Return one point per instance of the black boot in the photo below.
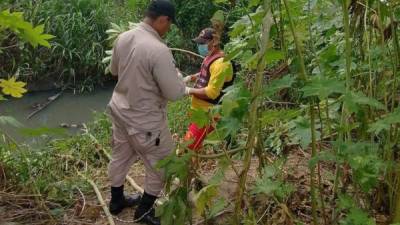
(145, 211)
(119, 201)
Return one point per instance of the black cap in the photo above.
(205, 36)
(162, 8)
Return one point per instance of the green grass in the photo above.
(178, 119)
(40, 169)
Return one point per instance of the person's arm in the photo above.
(219, 70)
(191, 78)
(166, 76)
(198, 93)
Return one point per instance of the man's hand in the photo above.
(197, 92)
(187, 79)
(191, 78)
(188, 90)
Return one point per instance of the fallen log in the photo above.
(43, 106)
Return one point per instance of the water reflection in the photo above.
(68, 109)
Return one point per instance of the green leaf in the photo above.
(364, 160)
(218, 17)
(354, 100)
(229, 125)
(310, 5)
(239, 94)
(228, 105)
(36, 37)
(199, 117)
(223, 165)
(258, 16)
(12, 87)
(270, 117)
(345, 202)
(249, 218)
(234, 54)
(386, 122)
(328, 54)
(302, 131)
(252, 61)
(323, 87)
(253, 3)
(175, 166)
(265, 186)
(235, 51)
(270, 186)
(220, 1)
(11, 121)
(279, 84)
(15, 22)
(272, 56)
(357, 217)
(166, 213)
(2, 98)
(397, 16)
(204, 198)
(235, 95)
(174, 210)
(215, 137)
(270, 171)
(180, 215)
(322, 157)
(217, 207)
(239, 27)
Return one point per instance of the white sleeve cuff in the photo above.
(188, 90)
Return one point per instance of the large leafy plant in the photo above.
(333, 77)
(14, 22)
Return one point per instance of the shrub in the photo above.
(77, 51)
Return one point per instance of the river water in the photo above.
(68, 109)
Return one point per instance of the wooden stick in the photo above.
(214, 156)
(101, 200)
(84, 201)
(215, 216)
(186, 51)
(134, 184)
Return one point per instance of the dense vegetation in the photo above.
(74, 59)
(314, 116)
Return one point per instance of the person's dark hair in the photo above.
(152, 15)
(159, 8)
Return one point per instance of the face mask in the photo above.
(203, 49)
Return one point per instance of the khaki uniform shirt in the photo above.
(147, 79)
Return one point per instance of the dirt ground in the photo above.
(86, 210)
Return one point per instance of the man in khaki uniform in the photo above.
(147, 80)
